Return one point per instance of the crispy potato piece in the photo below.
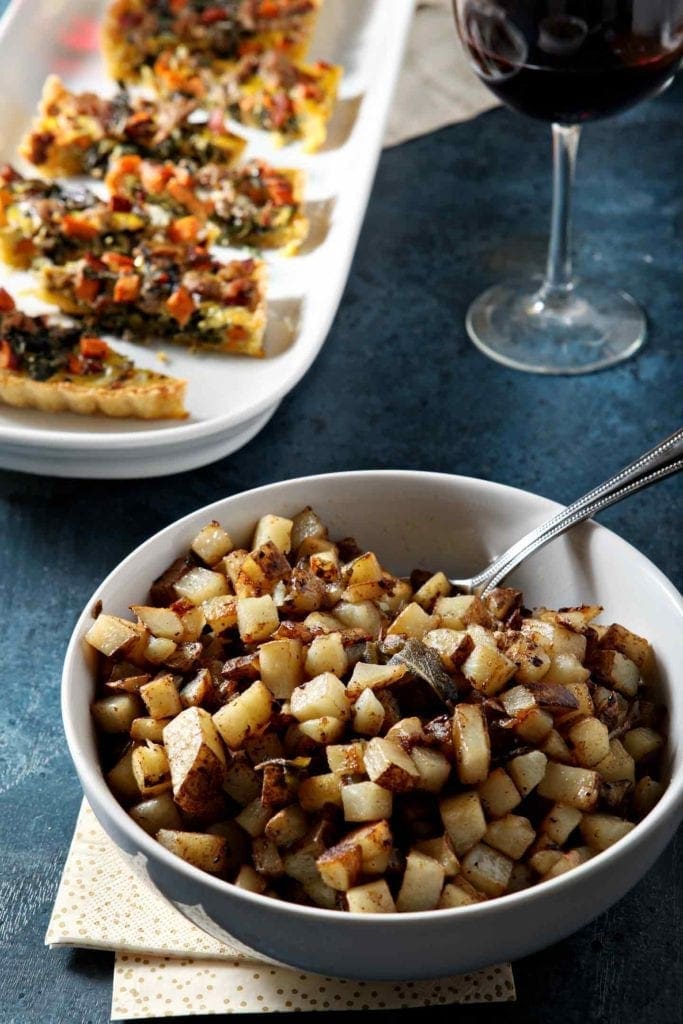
(371, 898)
(366, 801)
(111, 635)
(244, 716)
(197, 761)
(527, 770)
(387, 764)
(464, 821)
(151, 769)
(512, 835)
(602, 830)
(488, 870)
(341, 865)
(200, 585)
(116, 713)
(368, 714)
(321, 696)
(498, 793)
(471, 743)
(157, 812)
(207, 852)
(578, 787)
(212, 543)
(161, 697)
(282, 666)
(318, 790)
(422, 883)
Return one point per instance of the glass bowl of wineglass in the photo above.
(566, 62)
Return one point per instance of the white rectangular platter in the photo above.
(230, 398)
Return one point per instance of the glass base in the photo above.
(579, 331)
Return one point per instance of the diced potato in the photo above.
(544, 860)
(460, 611)
(220, 613)
(111, 635)
(276, 529)
(453, 646)
(532, 660)
(155, 813)
(257, 618)
(363, 615)
(488, 669)
(560, 822)
(464, 821)
(371, 898)
(266, 857)
(535, 726)
(161, 697)
(287, 825)
(325, 695)
(261, 571)
(340, 866)
(433, 767)
(436, 586)
(373, 677)
(207, 852)
(254, 817)
(512, 835)
(161, 622)
(242, 783)
(642, 742)
(198, 690)
(318, 790)
(193, 622)
(518, 700)
(527, 770)
(521, 878)
(646, 794)
(618, 765)
(231, 564)
(387, 764)
(622, 674)
(325, 564)
(199, 585)
(579, 617)
(487, 870)
(197, 761)
(632, 646)
(368, 714)
(346, 758)
(326, 654)
(555, 748)
(375, 842)
(566, 670)
(148, 729)
(116, 713)
(590, 740)
(151, 769)
(602, 830)
(578, 787)
(456, 896)
(471, 743)
(244, 716)
(566, 862)
(212, 543)
(324, 621)
(442, 851)
(364, 569)
(323, 730)
(159, 648)
(498, 794)
(585, 707)
(250, 880)
(366, 801)
(121, 779)
(124, 682)
(407, 732)
(422, 883)
(413, 621)
(282, 666)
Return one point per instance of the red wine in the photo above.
(570, 61)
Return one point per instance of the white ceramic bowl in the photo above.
(412, 520)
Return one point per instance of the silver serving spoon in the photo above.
(662, 460)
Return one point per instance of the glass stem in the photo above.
(558, 281)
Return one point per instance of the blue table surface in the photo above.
(397, 385)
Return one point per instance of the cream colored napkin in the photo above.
(437, 85)
(166, 967)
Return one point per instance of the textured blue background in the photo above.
(397, 385)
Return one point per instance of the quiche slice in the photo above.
(268, 90)
(135, 32)
(252, 204)
(180, 293)
(57, 368)
(78, 133)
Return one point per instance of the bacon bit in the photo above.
(127, 288)
(180, 305)
(86, 288)
(94, 348)
(120, 204)
(8, 360)
(185, 229)
(77, 227)
(155, 176)
(117, 261)
(237, 293)
(7, 303)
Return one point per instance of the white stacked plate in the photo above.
(230, 398)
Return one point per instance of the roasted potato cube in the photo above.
(422, 883)
(325, 695)
(532, 660)
(471, 743)
(155, 813)
(618, 765)
(555, 748)
(250, 880)
(318, 790)
(368, 714)
(433, 767)
(442, 851)
(618, 671)
(244, 716)
(560, 822)
(161, 622)
(111, 635)
(487, 870)
(366, 801)
(527, 770)
(287, 825)
(453, 646)
(456, 896)
(151, 769)
(375, 842)
(464, 821)
(323, 730)
(413, 621)
(257, 618)
(590, 741)
(254, 817)
(161, 697)
(148, 729)
(632, 646)
(121, 779)
(220, 613)
(566, 670)
(116, 713)
(340, 866)
(241, 783)
(158, 649)
(200, 585)
(276, 530)
(512, 835)
(197, 761)
(266, 857)
(642, 742)
(388, 765)
(646, 794)
(373, 677)
(199, 690)
(498, 793)
(261, 571)
(602, 830)
(578, 787)
(462, 610)
(371, 898)
(282, 666)
(326, 654)
(436, 586)
(306, 524)
(363, 615)
(207, 852)
(534, 726)
(346, 758)
(211, 543)
(488, 669)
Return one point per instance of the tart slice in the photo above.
(78, 133)
(252, 204)
(136, 31)
(262, 90)
(57, 368)
(176, 292)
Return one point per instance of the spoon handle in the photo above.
(662, 460)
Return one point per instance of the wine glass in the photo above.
(566, 62)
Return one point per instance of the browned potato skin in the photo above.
(249, 765)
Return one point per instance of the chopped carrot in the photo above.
(77, 227)
(86, 288)
(94, 348)
(185, 229)
(117, 261)
(127, 288)
(268, 9)
(8, 360)
(6, 302)
(180, 305)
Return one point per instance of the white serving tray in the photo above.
(229, 398)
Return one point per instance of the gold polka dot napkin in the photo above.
(167, 967)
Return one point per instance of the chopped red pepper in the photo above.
(94, 348)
